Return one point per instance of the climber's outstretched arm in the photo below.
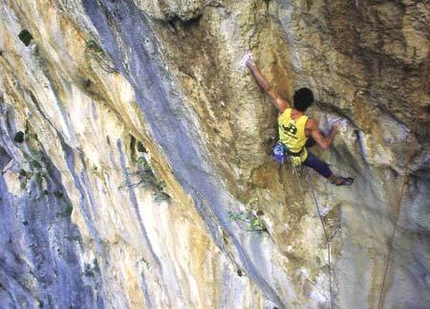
(280, 103)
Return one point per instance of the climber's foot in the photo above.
(343, 181)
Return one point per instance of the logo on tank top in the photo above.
(291, 130)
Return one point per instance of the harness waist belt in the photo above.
(294, 154)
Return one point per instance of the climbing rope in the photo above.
(408, 160)
(405, 181)
(297, 171)
(327, 240)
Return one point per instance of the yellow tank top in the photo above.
(292, 134)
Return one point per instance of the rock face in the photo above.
(134, 149)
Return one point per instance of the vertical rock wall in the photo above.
(142, 176)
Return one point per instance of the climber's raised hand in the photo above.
(250, 62)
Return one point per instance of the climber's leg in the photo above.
(324, 170)
(318, 165)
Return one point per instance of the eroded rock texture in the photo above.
(134, 149)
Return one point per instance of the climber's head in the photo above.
(302, 99)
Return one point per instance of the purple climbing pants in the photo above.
(316, 164)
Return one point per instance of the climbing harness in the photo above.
(281, 154)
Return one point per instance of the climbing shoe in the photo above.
(344, 181)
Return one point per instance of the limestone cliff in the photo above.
(135, 167)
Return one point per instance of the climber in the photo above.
(297, 131)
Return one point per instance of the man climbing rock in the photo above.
(297, 131)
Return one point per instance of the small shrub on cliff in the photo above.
(146, 178)
(23, 177)
(253, 221)
(22, 172)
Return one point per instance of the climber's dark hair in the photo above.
(302, 99)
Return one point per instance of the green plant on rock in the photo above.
(39, 176)
(22, 172)
(253, 220)
(24, 177)
(258, 224)
(36, 164)
(147, 179)
(161, 184)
